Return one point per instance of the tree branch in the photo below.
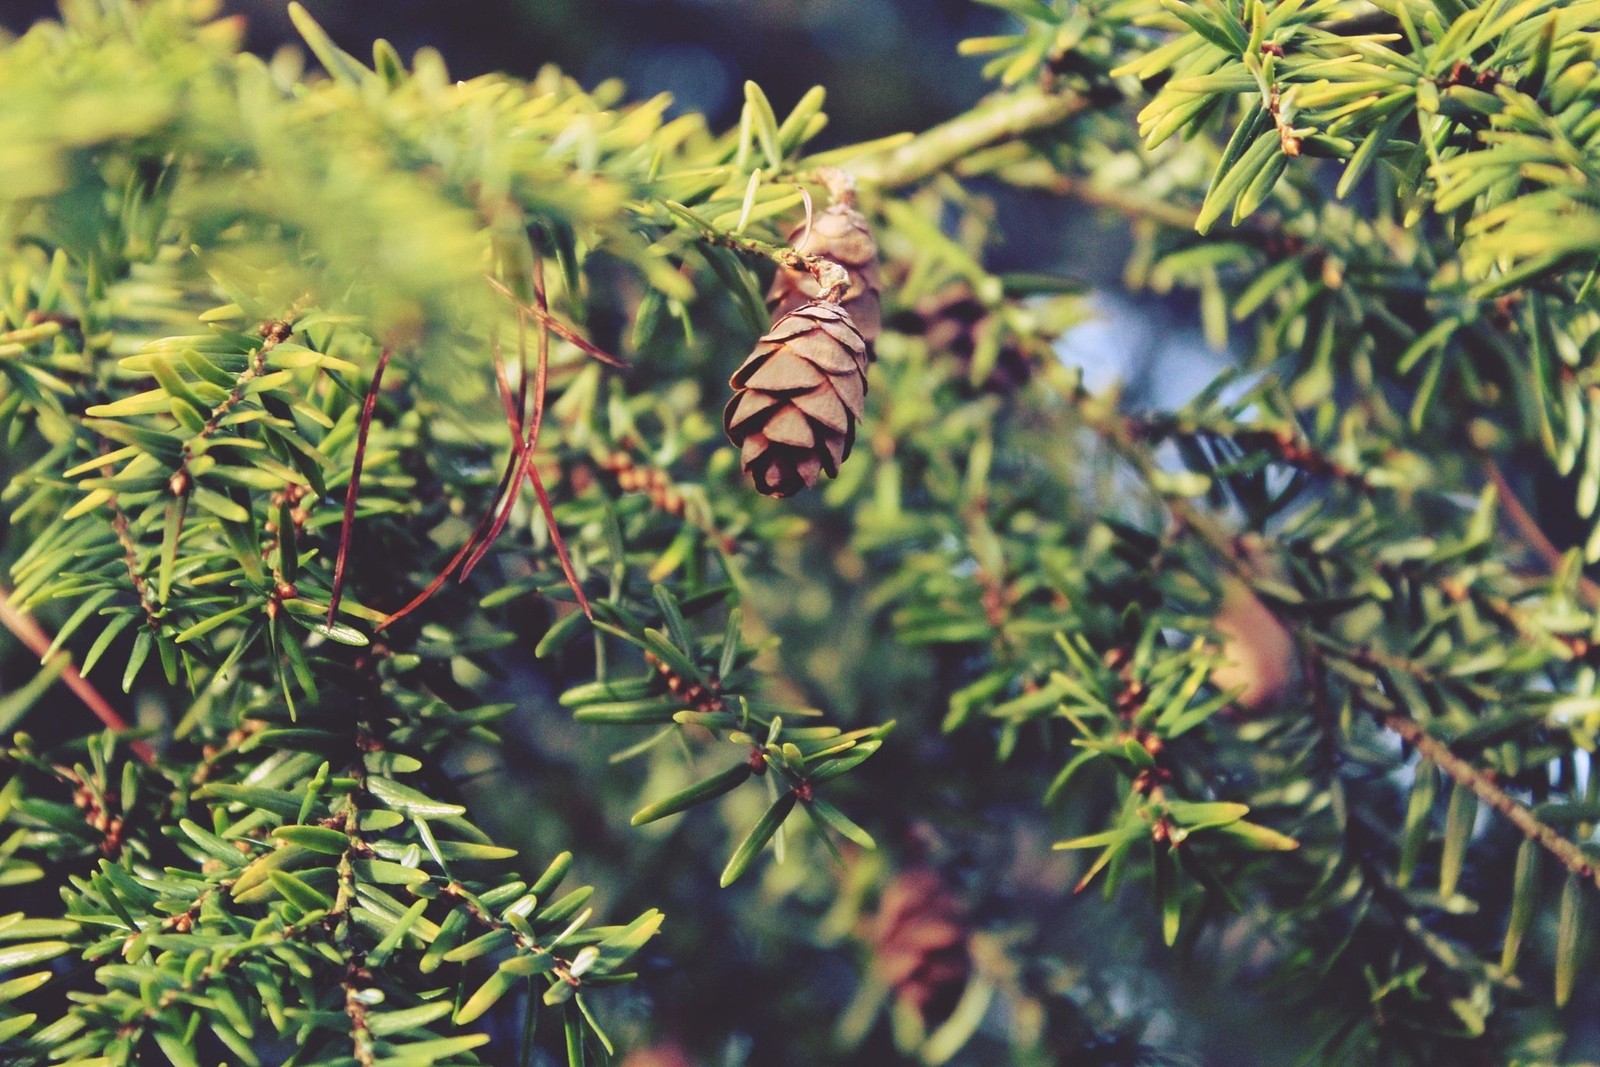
(29, 632)
(1528, 527)
(1003, 118)
(353, 490)
(1570, 855)
(1123, 436)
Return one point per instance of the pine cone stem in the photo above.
(784, 256)
(843, 239)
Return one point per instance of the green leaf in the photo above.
(1418, 821)
(552, 875)
(604, 692)
(617, 948)
(14, 956)
(335, 60)
(1569, 938)
(178, 1049)
(1098, 840)
(387, 872)
(1460, 817)
(397, 934)
(846, 762)
(16, 928)
(1199, 816)
(1260, 837)
(408, 801)
(1371, 149)
(650, 711)
(299, 892)
(560, 634)
(1524, 903)
(794, 129)
(212, 622)
(565, 908)
(176, 509)
(257, 875)
(219, 505)
(831, 817)
(448, 938)
(286, 805)
(487, 995)
(757, 838)
(480, 946)
(16, 704)
(698, 793)
(13, 988)
(386, 1023)
(316, 838)
(213, 845)
(765, 124)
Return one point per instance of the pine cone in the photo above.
(663, 1055)
(797, 398)
(839, 233)
(1259, 655)
(920, 938)
(949, 321)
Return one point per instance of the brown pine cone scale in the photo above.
(839, 233)
(797, 399)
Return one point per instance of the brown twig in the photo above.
(557, 542)
(521, 458)
(1570, 855)
(355, 1008)
(122, 529)
(830, 276)
(1115, 430)
(562, 968)
(462, 553)
(545, 318)
(540, 389)
(449, 568)
(519, 464)
(353, 490)
(31, 634)
(522, 444)
(1529, 528)
(1288, 139)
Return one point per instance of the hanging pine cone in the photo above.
(839, 233)
(921, 942)
(797, 398)
(949, 321)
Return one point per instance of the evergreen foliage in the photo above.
(332, 399)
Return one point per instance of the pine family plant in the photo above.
(345, 409)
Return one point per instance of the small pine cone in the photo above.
(797, 399)
(1259, 657)
(949, 321)
(663, 1055)
(839, 233)
(920, 939)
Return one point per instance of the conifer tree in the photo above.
(350, 409)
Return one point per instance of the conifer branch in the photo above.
(1481, 782)
(353, 490)
(1125, 435)
(1005, 117)
(1533, 535)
